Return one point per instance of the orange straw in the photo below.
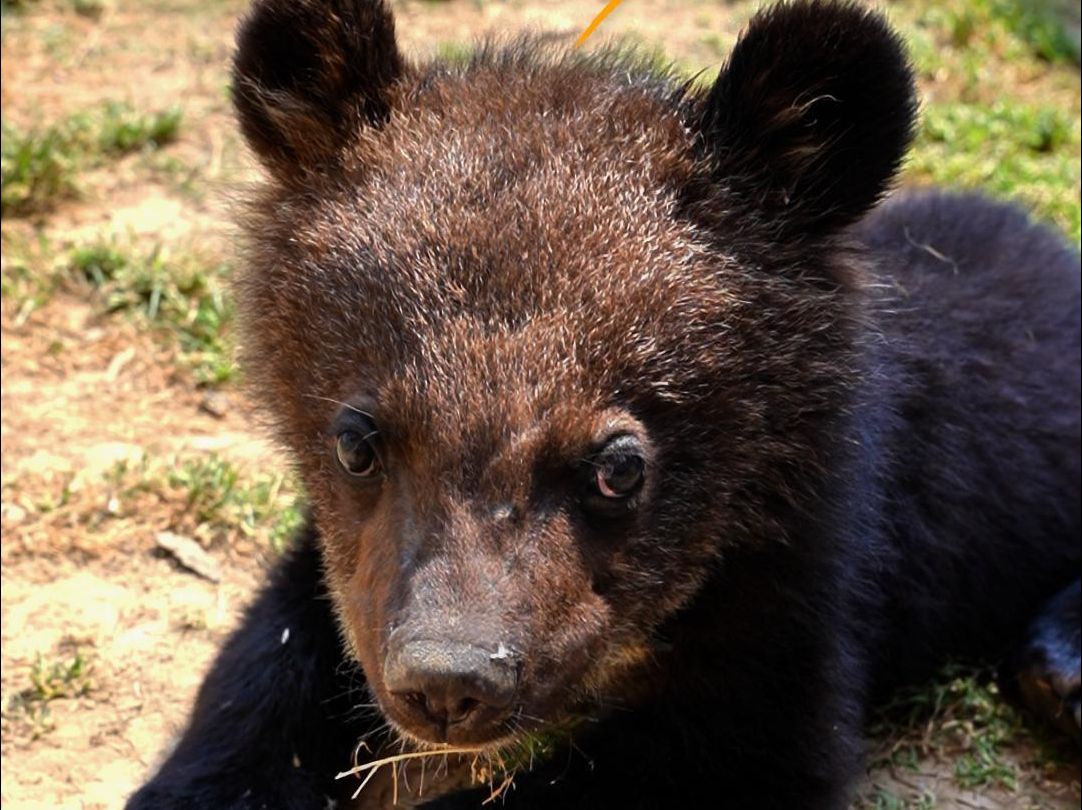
(601, 15)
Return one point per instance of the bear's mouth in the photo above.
(517, 745)
(449, 767)
(486, 744)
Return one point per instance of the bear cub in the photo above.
(647, 442)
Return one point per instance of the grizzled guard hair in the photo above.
(630, 412)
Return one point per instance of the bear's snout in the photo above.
(451, 691)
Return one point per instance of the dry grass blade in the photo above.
(478, 774)
(499, 790)
(370, 768)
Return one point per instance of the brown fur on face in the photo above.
(520, 260)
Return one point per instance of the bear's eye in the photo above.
(619, 468)
(357, 455)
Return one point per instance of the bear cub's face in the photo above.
(549, 334)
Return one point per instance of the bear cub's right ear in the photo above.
(307, 74)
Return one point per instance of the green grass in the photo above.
(1014, 150)
(650, 53)
(39, 167)
(183, 295)
(208, 497)
(28, 272)
(1000, 95)
(1001, 103)
(118, 129)
(960, 717)
(883, 799)
(180, 176)
(1010, 32)
(179, 293)
(221, 498)
(1038, 24)
(63, 678)
(50, 679)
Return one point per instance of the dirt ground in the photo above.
(104, 635)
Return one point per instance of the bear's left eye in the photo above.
(618, 469)
(356, 454)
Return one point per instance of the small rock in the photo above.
(215, 403)
(14, 513)
(116, 365)
(190, 555)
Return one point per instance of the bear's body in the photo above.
(618, 410)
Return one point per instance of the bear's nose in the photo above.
(451, 683)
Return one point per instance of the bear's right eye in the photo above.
(357, 455)
(615, 475)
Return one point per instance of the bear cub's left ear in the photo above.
(308, 74)
(810, 118)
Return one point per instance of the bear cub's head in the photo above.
(552, 336)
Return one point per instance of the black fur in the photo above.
(811, 116)
(1046, 672)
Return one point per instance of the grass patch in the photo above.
(1041, 25)
(206, 497)
(976, 39)
(39, 167)
(1001, 102)
(960, 717)
(720, 45)
(62, 678)
(29, 274)
(118, 129)
(84, 8)
(220, 499)
(180, 176)
(182, 294)
(651, 54)
(50, 679)
(883, 799)
(1013, 150)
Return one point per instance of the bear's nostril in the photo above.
(462, 710)
(450, 683)
(449, 710)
